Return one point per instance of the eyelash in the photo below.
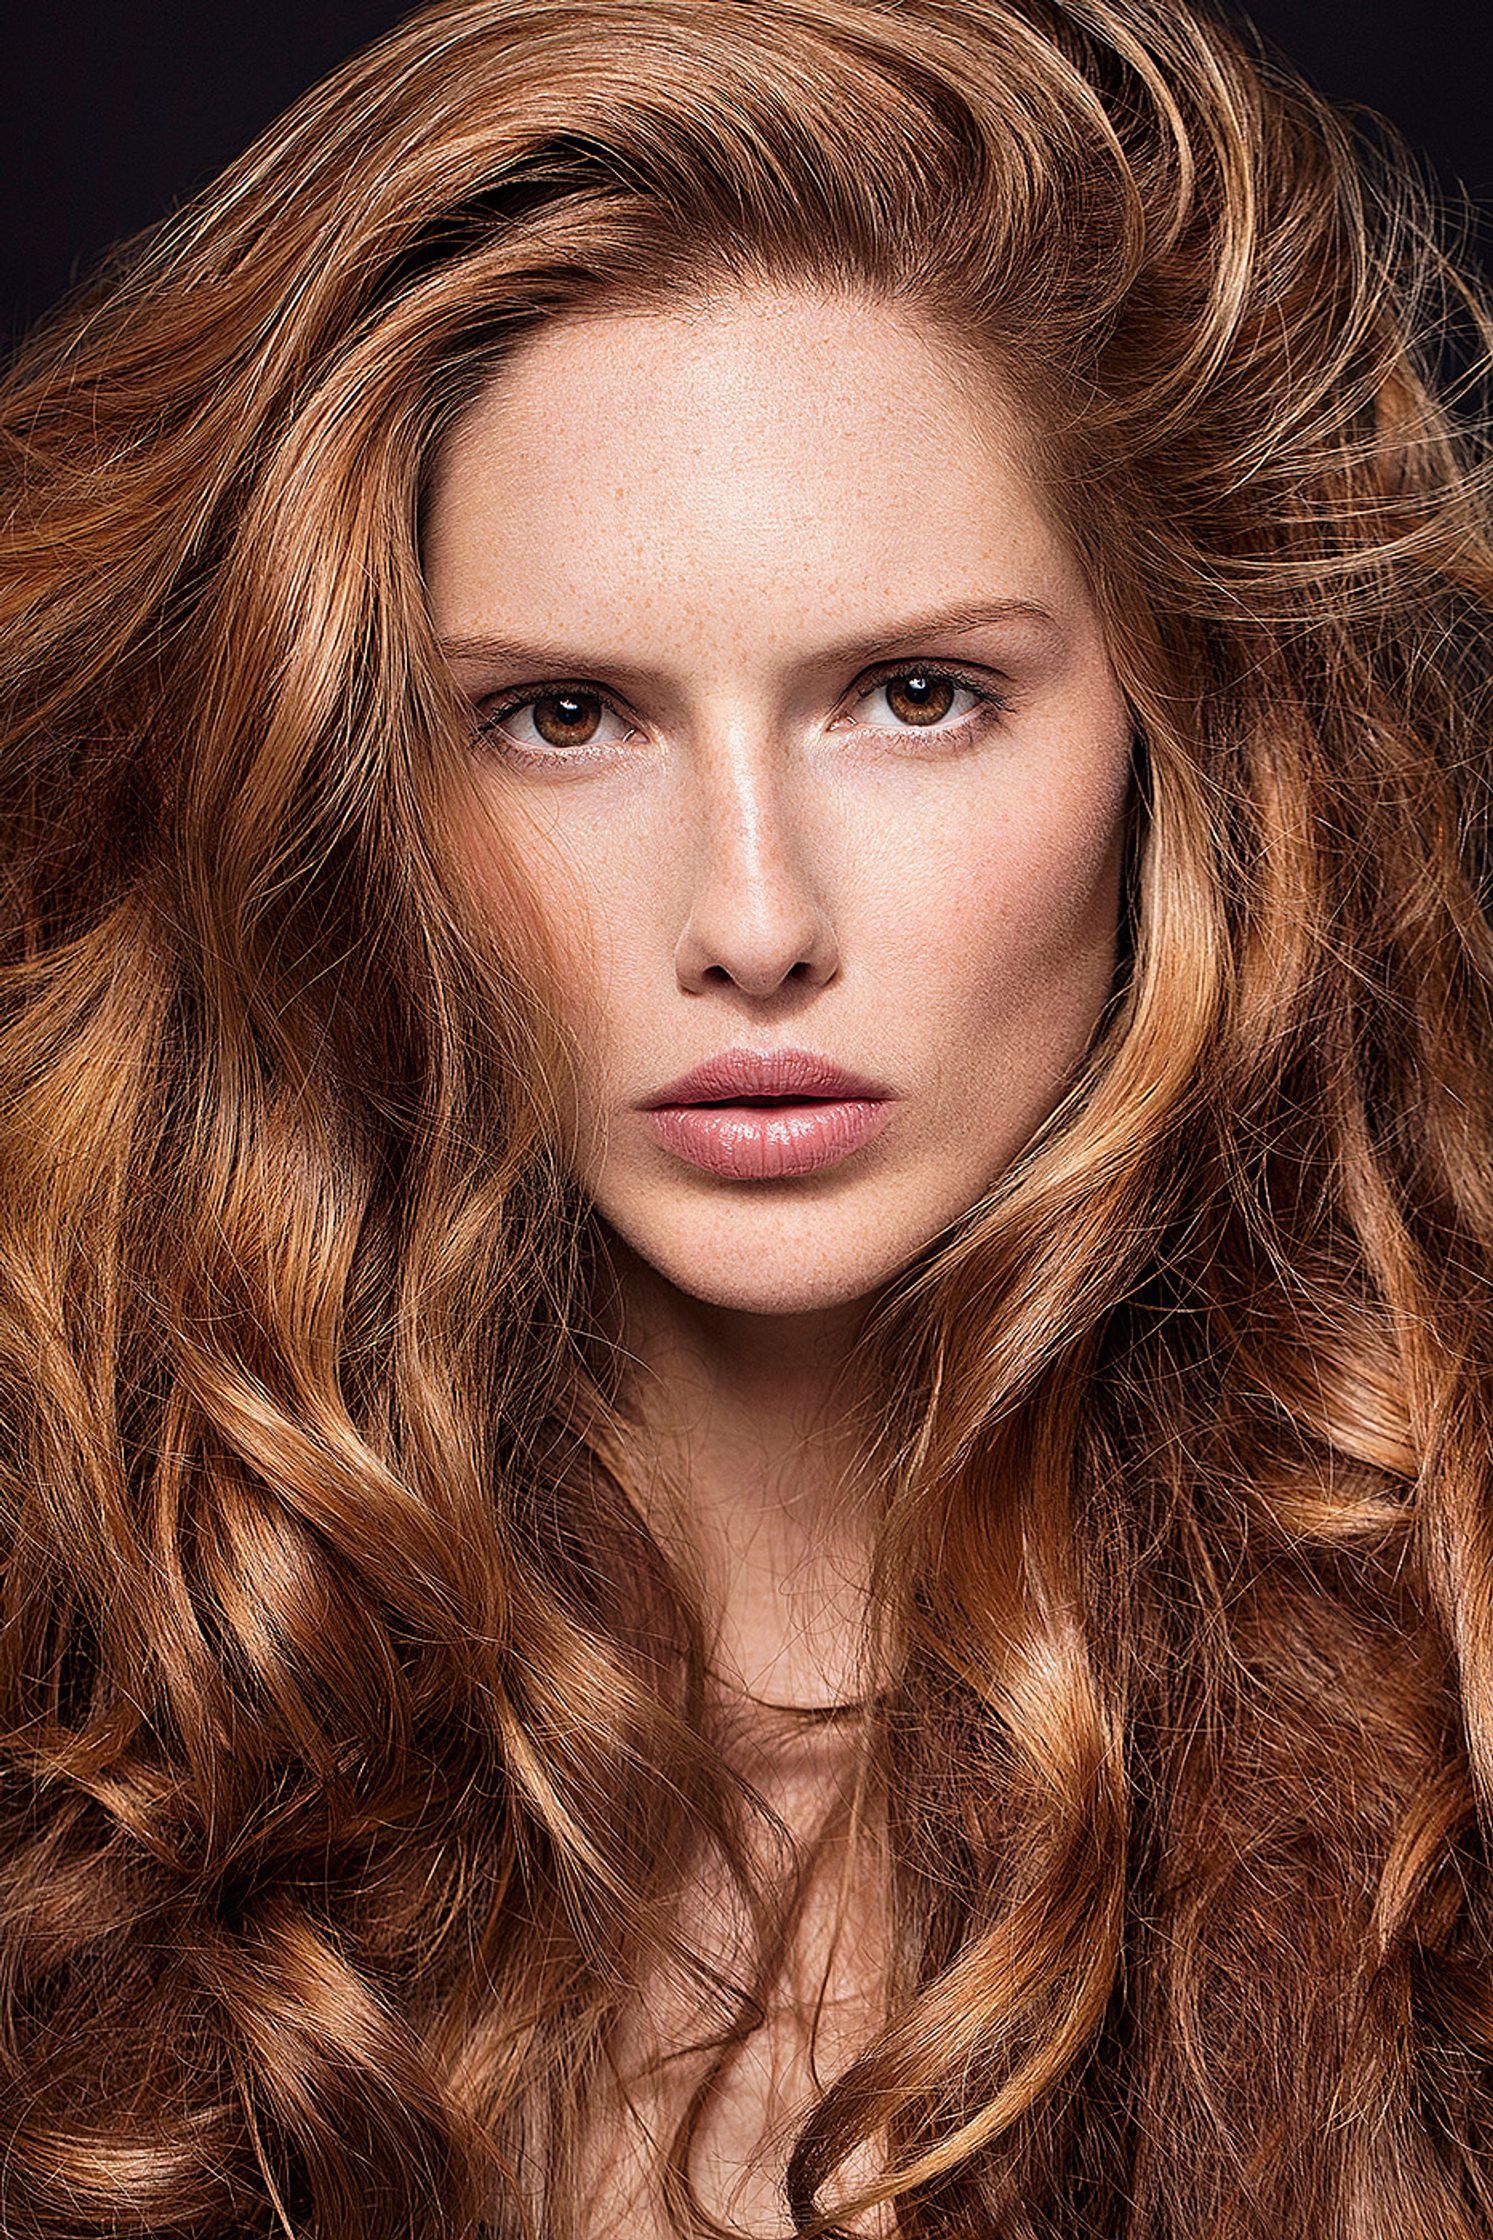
(990, 705)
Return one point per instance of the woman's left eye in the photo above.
(921, 697)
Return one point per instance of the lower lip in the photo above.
(761, 1143)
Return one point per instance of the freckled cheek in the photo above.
(584, 905)
(1014, 955)
(606, 919)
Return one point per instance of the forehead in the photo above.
(756, 450)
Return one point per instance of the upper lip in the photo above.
(765, 1073)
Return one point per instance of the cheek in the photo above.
(1015, 943)
(513, 862)
(1038, 915)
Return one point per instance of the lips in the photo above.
(734, 1074)
(764, 1115)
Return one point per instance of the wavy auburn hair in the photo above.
(350, 1716)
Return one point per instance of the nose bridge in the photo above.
(757, 911)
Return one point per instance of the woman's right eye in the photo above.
(565, 718)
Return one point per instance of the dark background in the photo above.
(112, 111)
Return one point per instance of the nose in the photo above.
(757, 918)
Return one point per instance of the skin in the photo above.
(722, 518)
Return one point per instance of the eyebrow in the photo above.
(970, 614)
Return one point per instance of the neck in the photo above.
(760, 1495)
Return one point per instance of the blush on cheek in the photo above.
(1047, 952)
(1023, 919)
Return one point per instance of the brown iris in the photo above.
(570, 726)
(926, 693)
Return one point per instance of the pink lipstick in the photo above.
(759, 1115)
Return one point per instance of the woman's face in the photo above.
(774, 782)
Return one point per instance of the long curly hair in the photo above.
(351, 1748)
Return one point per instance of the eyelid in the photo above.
(493, 707)
(981, 681)
(996, 697)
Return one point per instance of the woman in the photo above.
(747, 1215)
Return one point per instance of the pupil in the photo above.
(916, 686)
(567, 720)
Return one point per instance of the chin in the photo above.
(807, 1259)
(774, 1291)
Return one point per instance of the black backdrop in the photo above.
(111, 111)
